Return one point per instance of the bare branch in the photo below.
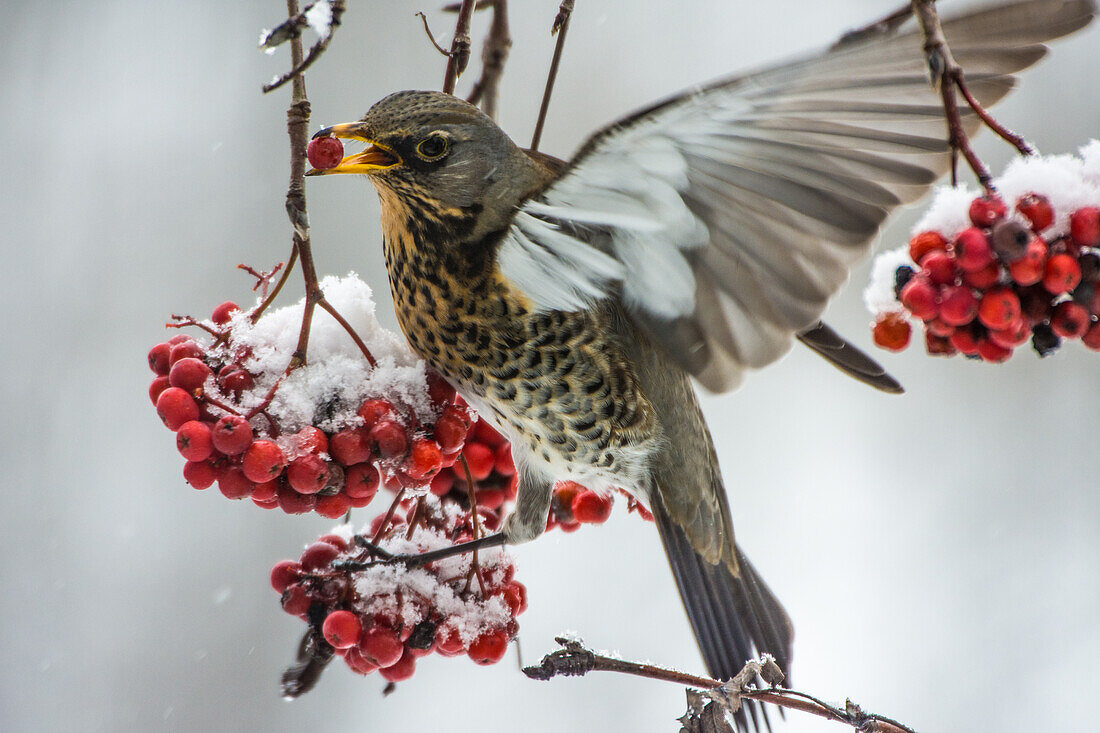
(460, 47)
(300, 65)
(431, 36)
(493, 56)
(560, 27)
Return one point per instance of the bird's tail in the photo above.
(734, 615)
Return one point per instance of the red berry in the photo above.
(480, 459)
(350, 446)
(591, 508)
(175, 407)
(489, 648)
(440, 392)
(891, 331)
(1029, 268)
(986, 210)
(381, 646)
(919, 296)
(424, 460)
(938, 327)
(1013, 336)
(449, 432)
(938, 345)
(515, 595)
(939, 266)
(342, 629)
(958, 306)
(442, 483)
(490, 498)
(335, 540)
(374, 410)
(158, 359)
(448, 643)
(361, 481)
(223, 312)
(189, 374)
(265, 493)
(984, 278)
(237, 380)
(999, 308)
(234, 484)
(925, 242)
(1084, 226)
(184, 350)
(963, 340)
(200, 474)
(485, 433)
(503, 462)
(333, 507)
(992, 352)
(972, 250)
(158, 385)
(318, 556)
(296, 601)
(390, 437)
(325, 152)
(402, 669)
(291, 502)
(1062, 274)
(232, 435)
(311, 440)
(1070, 320)
(263, 461)
(283, 574)
(1035, 304)
(1037, 210)
(308, 473)
(193, 441)
(357, 662)
(1091, 339)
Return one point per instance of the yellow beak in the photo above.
(376, 157)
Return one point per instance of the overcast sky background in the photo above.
(938, 552)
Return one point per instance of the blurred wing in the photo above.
(725, 217)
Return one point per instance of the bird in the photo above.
(575, 304)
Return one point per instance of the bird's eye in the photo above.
(432, 147)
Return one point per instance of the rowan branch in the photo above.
(494, 54)
(574, 659)
(459, 55)
(291, 30)
(560, 27)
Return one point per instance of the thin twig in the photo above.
(493, 56)
(475, 520)
(431, 36)
(560, 27)
(459, 55)
(298, 64)
(577, 660)
(267, 301)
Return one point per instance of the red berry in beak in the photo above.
(324, 153)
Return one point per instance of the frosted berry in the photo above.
(891, 331)
(591, 508)
(325, 152)
(939, 267)
(200, 474)
(175, 407)
(1061, 275)
(224, 312)
(1037, 210)
(925, 242)
(972, 250)
(449, 432)
(374, 410)
(958, 306)
(986, 210)
(342, 629)
(311, 440)
(263, 461)
(234, 484)
(308, 474)
(361, 481)
(335, 540)
(515, 595)
(189, 374)
(291, 502)
(158, 385)
(489, 648)
(350, 446)
(232, 435)
(1084, 226)
(193, 441)
(184, 350)
(318, 556)
(334, 506)
(296, 601)
(158, 359)
(284, 573)
(381, 646)
(424, 459)
(999, 308)
(237, 380)
(1070, 320)
(919, 296)
(390, 438)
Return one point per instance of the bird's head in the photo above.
(430, 151)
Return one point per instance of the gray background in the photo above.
(938, 552)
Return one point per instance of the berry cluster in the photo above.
(993, 278)
(215, 397)
(384, 616)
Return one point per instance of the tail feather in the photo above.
(735, 618)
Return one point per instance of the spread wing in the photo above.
(724, 218)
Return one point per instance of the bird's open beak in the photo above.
(376, 157)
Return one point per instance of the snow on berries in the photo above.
(316, 438)
(987, 273)
(384, 616)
